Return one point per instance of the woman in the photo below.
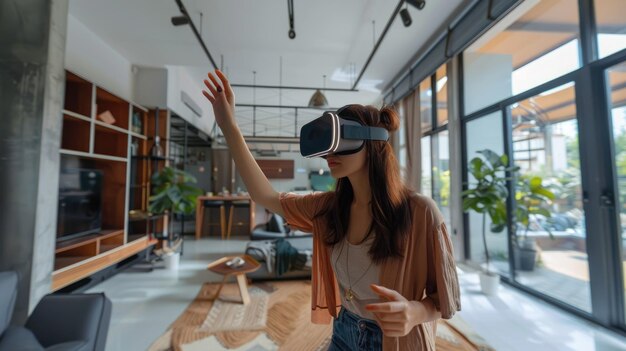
(382, 259)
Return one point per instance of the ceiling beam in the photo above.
(380, 40)
(291, 87)
(183, 10)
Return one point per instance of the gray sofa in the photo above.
(64, 322)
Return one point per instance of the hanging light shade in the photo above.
(318, 100)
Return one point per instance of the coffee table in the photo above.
(219, 266)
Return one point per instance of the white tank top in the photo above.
(353, 261)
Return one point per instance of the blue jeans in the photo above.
(351, 333)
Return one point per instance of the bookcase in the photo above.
(105, 132)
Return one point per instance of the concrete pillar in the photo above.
(32, 53)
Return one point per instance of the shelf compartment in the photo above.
(111, 242)
(118, 108)
(76, 253)
(139, 121)
(139, 177)
(78, 94)
(110, 142)
(80, 249)
(113, 193)
(75, 134)
(70, 274)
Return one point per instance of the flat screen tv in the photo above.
(80, 203)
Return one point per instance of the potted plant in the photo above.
(531, 199)
(174, 193)
(488, 197)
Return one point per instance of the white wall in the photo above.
(180, 79)
(90, 57)
(487, 79)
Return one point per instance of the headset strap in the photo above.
(364, 133)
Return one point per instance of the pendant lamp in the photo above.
(318, 99)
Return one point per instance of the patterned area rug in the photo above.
(287, 326)
(233, 316)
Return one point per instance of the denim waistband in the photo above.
(345, 313)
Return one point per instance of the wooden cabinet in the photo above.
(104, 132)
(277, 169)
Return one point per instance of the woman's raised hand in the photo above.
(222, 97)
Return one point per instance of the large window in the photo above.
(402, 147)
(435, 157)
(441, 86)
(426, 182)
(611, 25)
(616, 78)
(441, 173)
(550, 247)
(537, 42)
(426, 104)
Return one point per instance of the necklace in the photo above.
(349, 293)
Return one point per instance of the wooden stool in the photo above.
(220, 267)
(215, 204)
(234, 205)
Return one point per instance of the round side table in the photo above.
(219, 266)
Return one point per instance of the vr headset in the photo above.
(331, 134)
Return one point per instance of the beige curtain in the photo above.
(412, 128)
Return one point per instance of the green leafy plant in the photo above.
(488, 194)
(531, 198)
(174, 192)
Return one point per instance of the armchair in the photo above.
(64, 322)
(274, 228)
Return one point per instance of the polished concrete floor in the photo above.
(145, 304)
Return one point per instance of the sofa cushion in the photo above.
(70, 346)
(8, 294)
(19, 339)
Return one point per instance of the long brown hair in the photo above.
(390, 196)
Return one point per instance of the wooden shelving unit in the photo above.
(91, 140)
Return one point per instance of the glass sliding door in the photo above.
(486, 133)
(616, 79)
(550, 242)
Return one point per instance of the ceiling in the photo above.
(333, 38)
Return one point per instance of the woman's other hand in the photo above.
(222, 97)
(397, 316)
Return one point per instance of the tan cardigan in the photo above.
(426, 269)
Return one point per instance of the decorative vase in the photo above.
(172, 261)
(489, 283)
(156, 150)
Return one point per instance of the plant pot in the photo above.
(172, 261)
(525, 259)
(527, 243)
(489, 283)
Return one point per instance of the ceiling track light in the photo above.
(180, 20)
(406, 17)
(419, 4)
